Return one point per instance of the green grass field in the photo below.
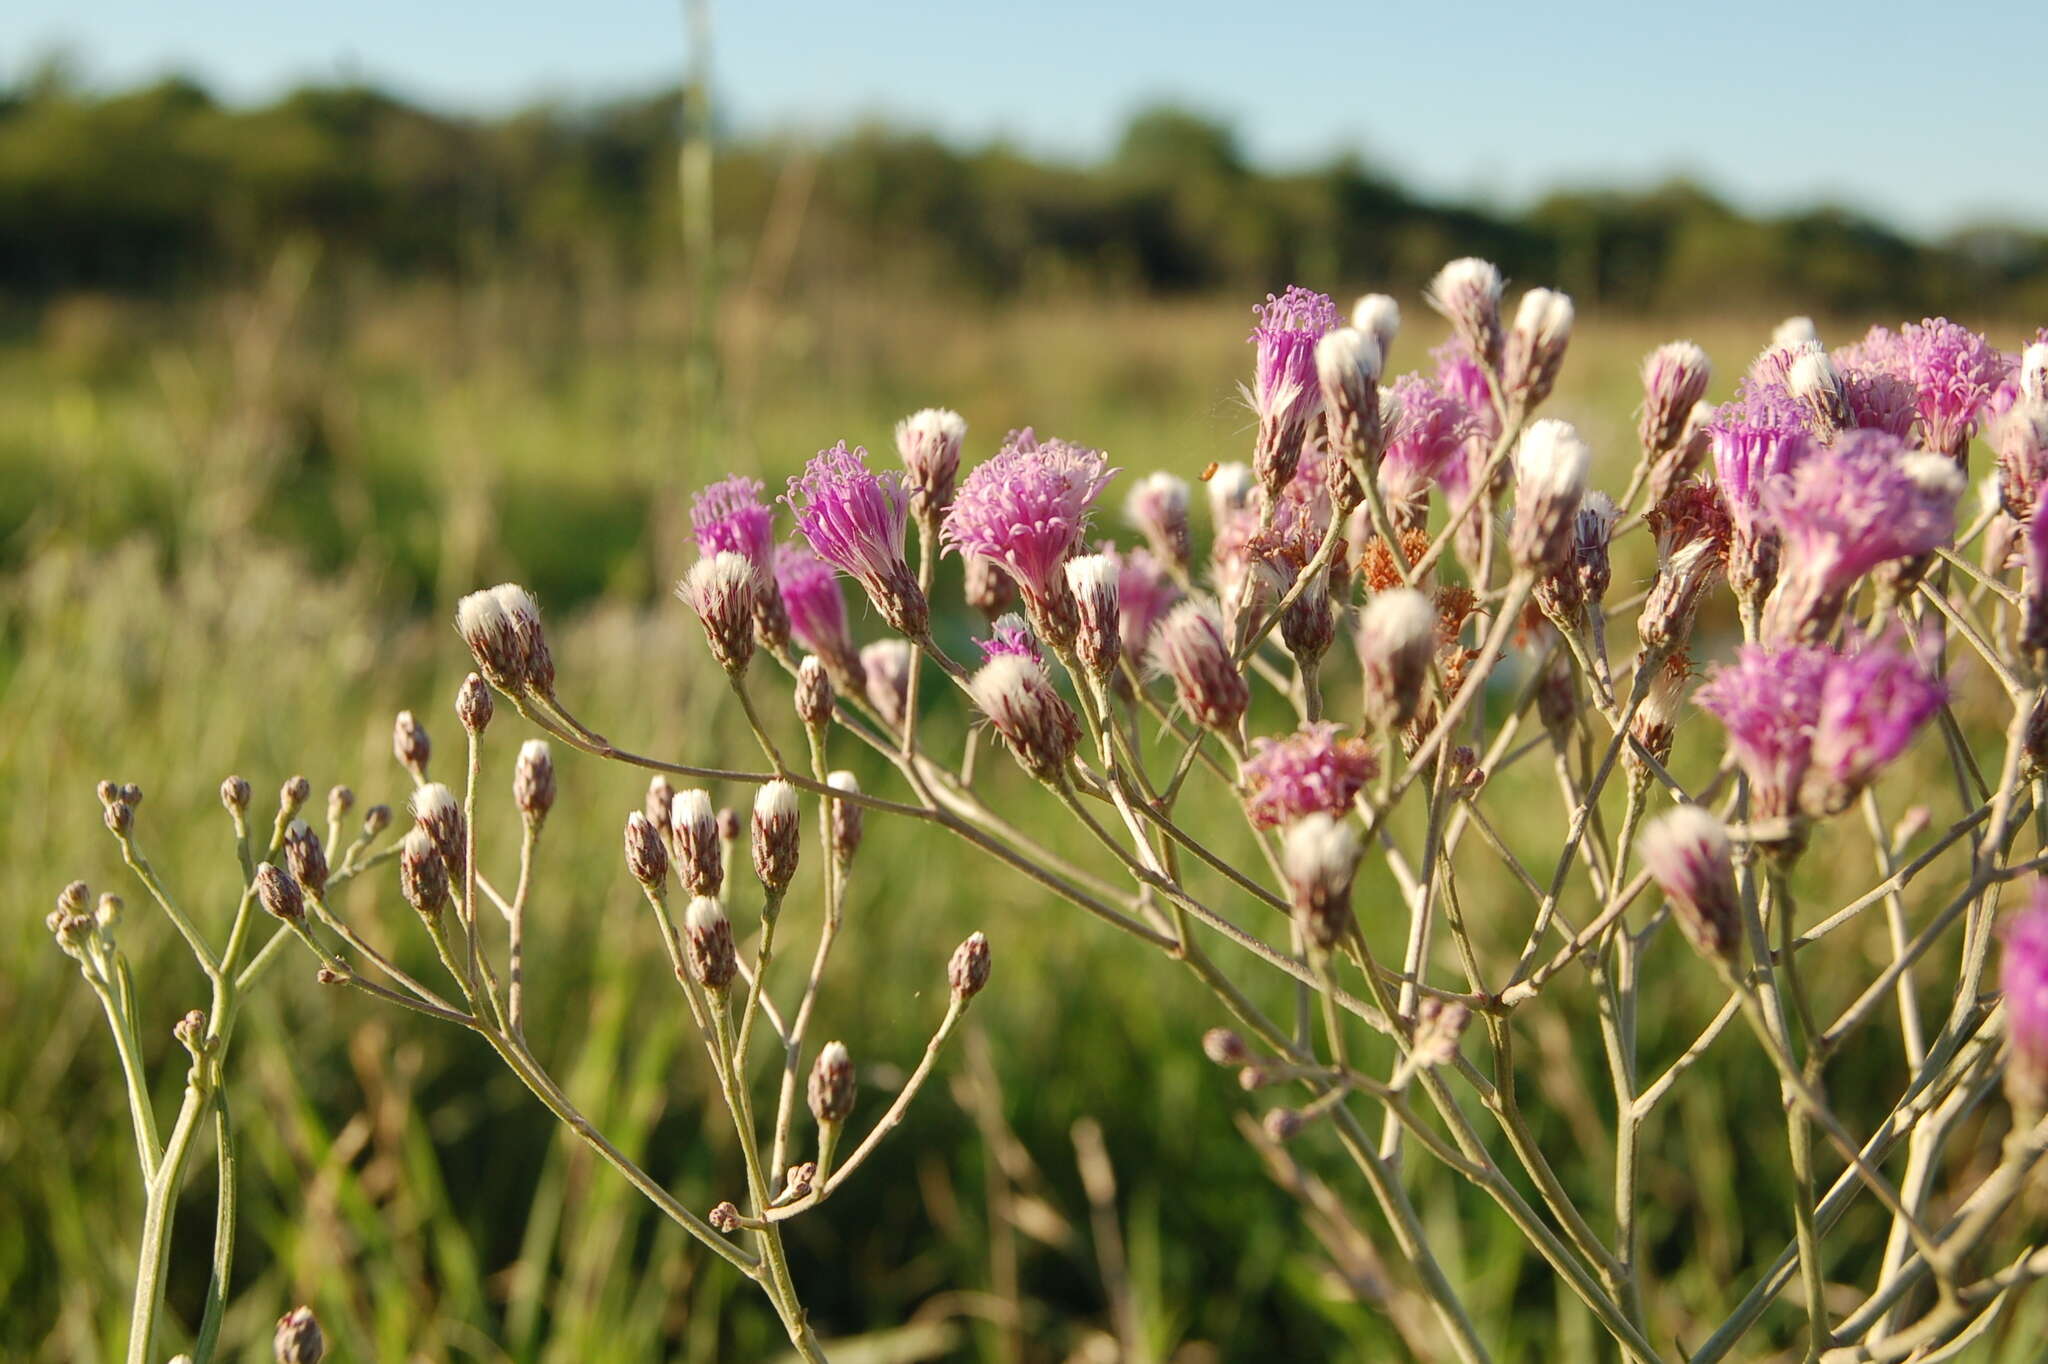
(231, 535)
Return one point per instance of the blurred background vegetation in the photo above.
(278, 383)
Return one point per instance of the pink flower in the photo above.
(1027, 508)
(1145, 592)
(1311, 769)
(855, 520)
(1429, 435)
(730, 516)
(1954, 372)
(2023, 976)
(817, 609)
(1286, 393)
(1844, 510)
(1009, 635)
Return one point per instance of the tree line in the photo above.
(165, 188)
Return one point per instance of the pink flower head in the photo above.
(1309, 770)
(1872, 702)
(1844, 510)
(1459, 373)
(1768, 700)
(1749, 455)
(1009, 634)
(855, 520)
(817, 609)
(1145, 592)
(1430, 430)
(1286, 392)
(2023, 976)
(1811, 726)
(1953, 371)
(1027, 508)
(730, 515)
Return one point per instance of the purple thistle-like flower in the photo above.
(817, 608)
(1844, 510)
(2023, 976)
(730, 516)
(1027, 509)
(855, 520)
(1010, 635)
(1429, 434)
(1767, 700)
(1310, 770)
(1954, 372)
(1811, 726)
(1872, 702)
(1286, 392)
(1459, 373)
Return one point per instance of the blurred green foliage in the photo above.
(163, 187)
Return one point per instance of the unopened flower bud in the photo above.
(1439, 1023)
(929, 444)
(1309, 624)
(1536, 345)
(74, 898)
(278, 893)
(847, 819)
(109, 792)
(831, 1090)
(693, 828)
(1230, 491)
(1349, 363)
(1093, 580)
(293, 795)
(1396, 638)
(721, 590)
(533, 781)
(120, 817)
(376, 820)
(306, 856)
(501, 626)
(1592, 533)
(1378, 316)
(646, 855)
(660, 803)
(988, 589)
(1283, 1124)
(728, 825)
(235, 795)
(473, 705)
(190, 1032)
(1224, 1047)
(725, 1218)
(1036, 723)
(776, 836)
(1814, 383)
(1686, 852)
(1675, 379)
(1551, 464)
(107, 913)
(1158, 509)
(1320, 857)
(968, 971)
(298, 1339)
(887, 664)
(1467, 293)
(1189, 647)
(422, 875)
(340, 800)
(707, 936)
(813, 694)
(438, 814)
(410, 745)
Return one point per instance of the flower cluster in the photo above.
(1026, 510)
(1812, 726)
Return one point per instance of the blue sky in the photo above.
(1925, 114)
